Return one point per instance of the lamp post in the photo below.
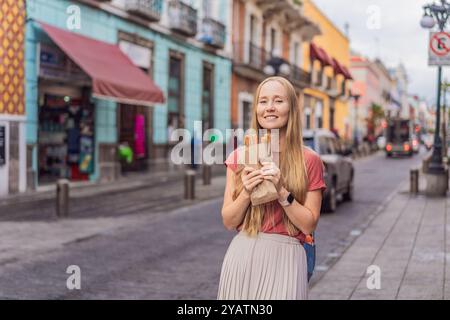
(277, 66)
(355, 127)
(445, 86)
(436, 13)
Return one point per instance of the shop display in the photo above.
(66, 139)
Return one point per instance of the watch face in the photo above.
(290, 198)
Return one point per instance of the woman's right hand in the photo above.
(251, 177)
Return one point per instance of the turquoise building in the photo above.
(73, 132)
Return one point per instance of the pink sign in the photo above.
(139, 136)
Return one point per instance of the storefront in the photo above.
(65, 118)
(77, 78)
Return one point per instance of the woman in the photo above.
(266, 259)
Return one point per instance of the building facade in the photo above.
(264, 30)
(327, 58)
(12, 98)
(180, 46)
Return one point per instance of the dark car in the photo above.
(339, 171)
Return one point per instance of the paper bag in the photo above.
(255, 154)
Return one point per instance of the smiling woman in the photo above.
(266, 259)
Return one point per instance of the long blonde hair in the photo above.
(292, 164)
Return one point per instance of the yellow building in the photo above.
(326, 102)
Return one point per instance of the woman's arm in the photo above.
(304, 217)
(233, 212)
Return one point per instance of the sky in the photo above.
(391, 31)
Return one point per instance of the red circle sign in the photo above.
(440, 43)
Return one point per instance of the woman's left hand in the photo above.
(271, 172)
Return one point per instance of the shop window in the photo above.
(208, 97)
(174, 97)
(66, 138)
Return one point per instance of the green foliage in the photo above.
(377, 111)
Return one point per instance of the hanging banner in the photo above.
(139, 136)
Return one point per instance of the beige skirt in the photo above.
(265, 267)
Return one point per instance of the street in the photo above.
(146, 253)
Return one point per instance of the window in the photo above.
(273, 34)
(323, 146)
(247, 114)
(174, 98)
(253, 30)
(318, 113)
(307, 111)
(208, 97)
(326, 146)
(309, 142)
(296, 59)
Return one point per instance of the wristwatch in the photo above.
(288, 200)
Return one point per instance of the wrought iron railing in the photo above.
(300, 75)
(213, 33)
(182, 18)
(150, 9)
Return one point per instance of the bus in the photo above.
(398, 137)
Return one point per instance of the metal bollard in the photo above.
(414, 181)
(447, 176)
(189, 184)
(206, 174)
(62, 198)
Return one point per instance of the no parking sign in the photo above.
(439, 49)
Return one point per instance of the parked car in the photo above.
(339, 170)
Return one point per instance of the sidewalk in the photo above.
(407, 240)
(126, 183)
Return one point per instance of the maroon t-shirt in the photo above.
(314, 168)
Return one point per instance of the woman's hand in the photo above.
(251, 177)
(271, 172)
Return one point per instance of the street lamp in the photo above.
(277, 65)
(436, 13)
(445, 87)
(355, 127)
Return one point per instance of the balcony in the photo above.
(148, 9)
(213, 33)
(300, 76)
(249, 60)
(182, 18)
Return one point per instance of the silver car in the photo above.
(339, 170)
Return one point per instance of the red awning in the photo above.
(347, 73)
(326, 57)
(317, 53)
(338, 68)
(113, 74)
